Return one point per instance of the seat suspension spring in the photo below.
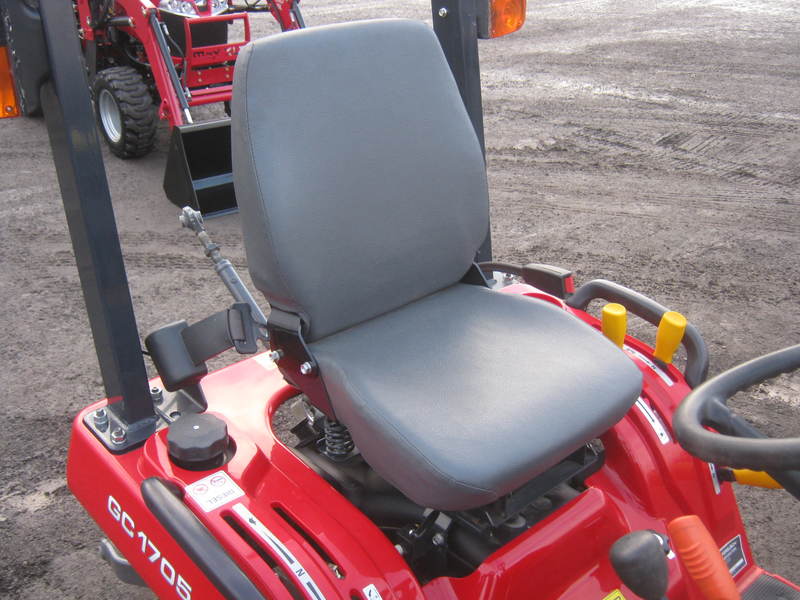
(338, 441)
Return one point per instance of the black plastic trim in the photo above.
(286, 337)
(549, 279)
(651, 311)
(198, 543)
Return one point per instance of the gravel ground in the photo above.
(655, 144)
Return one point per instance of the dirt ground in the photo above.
(652, 143)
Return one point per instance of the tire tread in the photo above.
(139, 121)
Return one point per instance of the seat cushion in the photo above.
(461, 397)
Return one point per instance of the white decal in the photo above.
(214, 491)
(714, 478)
(149, 550)
(653, 366)
(372, 593)
(281, 551)
(654, 420)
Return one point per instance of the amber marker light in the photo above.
(8, 99)
(505, 16)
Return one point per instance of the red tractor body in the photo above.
(291, 531)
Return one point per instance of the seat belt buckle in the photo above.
(242, 328)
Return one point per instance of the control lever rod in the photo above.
(192, 219)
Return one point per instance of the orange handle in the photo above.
(700, 555)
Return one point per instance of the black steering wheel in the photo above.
(736, 443)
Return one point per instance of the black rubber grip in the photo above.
(651, 311)
(198, 543)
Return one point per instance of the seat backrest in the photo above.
(359, 177)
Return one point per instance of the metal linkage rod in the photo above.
(192, 219)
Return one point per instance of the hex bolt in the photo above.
(438, 539)
(101, 419)
(157, 394)
(443, 12)
(275, 355)
(118, 435)
(306, 368)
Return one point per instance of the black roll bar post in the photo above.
(456, 25)
(92, 226)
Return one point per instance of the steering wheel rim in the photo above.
(736, 443)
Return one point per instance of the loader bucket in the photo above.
(199, 172)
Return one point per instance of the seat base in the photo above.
(463, 396)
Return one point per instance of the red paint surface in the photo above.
(643, 485)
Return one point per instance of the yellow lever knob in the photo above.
(615, 322)
(755, 478)
(669, 335)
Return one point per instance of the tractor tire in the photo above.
(125, 112)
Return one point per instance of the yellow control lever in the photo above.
(755, 478)
(669, 335)
(615, 322)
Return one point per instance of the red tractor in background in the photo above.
(148, 61)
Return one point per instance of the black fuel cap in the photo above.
(198, 442)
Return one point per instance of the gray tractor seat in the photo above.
(363, 196)
(462, 397)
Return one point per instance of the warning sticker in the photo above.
(615, 595)
(214, 491)
(733, 553)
